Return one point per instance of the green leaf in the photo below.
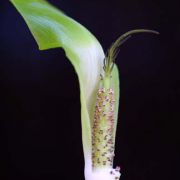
(51, 28)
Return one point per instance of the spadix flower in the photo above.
(98, 79)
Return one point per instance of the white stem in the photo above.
(102, 174)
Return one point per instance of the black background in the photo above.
(39, 94)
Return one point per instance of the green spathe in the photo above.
(51, 28)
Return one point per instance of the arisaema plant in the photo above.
(98, 79)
